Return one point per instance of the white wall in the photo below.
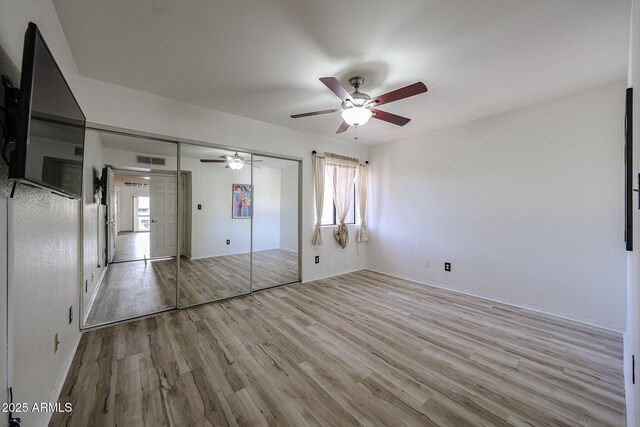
(527, 205)
(14, 19)
(118, 106)
(212, 226)
(47, 251)
(289, 209)
(47, 231)
(266, 218)
(125, 205)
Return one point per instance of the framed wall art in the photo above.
(241, 201)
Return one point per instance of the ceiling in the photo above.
(262, 59)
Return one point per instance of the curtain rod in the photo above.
(315, 152)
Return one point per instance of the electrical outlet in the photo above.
(56, 343)
(427, 263)
(70, 314)
(317, 259)
(447, 266)
(228, 242)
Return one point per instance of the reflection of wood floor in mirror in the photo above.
(132, 289)
(361, 349)
(131, 245)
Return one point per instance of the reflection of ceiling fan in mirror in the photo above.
(235, 162)
(358, 107)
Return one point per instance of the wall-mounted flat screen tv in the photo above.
(50, 129)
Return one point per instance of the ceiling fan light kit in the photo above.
(356, 116)
(235, 162)
(358, 108)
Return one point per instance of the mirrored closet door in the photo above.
(130, 227)
(275, 259)
(215, 262)
(169, 225)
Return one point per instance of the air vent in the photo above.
(135, 184)
(148, 160)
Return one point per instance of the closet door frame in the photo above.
(98, 127)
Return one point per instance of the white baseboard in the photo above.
(506, 302)
(66, 367)
(92, 299)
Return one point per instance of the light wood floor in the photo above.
(131, 246)
(133, 289)
(358, 349)
(209, 279)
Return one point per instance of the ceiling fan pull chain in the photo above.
(356, 138)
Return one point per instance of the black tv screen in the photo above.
(50, 135)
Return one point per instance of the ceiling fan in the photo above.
(358, 108)
(235, 162)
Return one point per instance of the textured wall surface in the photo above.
(46, 279)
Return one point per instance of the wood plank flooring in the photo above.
(358, 349)
(133, 289)
(132, 246)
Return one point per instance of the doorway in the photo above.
(130, 222)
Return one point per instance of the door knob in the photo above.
(154, 220)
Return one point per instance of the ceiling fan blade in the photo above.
(313, 113)
(405, 92)
(343, 127)
(252, 161)
(212, 161)
(226, 157)
(391, 118)
(334, 85)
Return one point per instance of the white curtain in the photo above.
(318, 185)
(363, 230)
(343, 175)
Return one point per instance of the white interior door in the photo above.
(164, 215)
(111, 215)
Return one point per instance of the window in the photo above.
(329, 209)
(141, 214)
